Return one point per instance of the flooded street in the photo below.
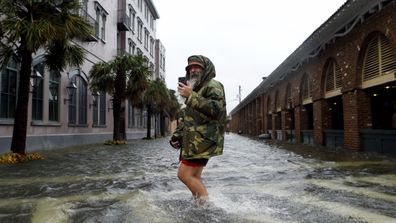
(252, 182)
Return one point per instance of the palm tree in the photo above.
(173, 106)
(28, 26)
(155, 98)
(125, 75)
(170, 109)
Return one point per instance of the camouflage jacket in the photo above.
(201, 129)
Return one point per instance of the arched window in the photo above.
(278, 106)
(306, 89)
(82, 101)
(99, 110)
(333, 77)
(53, 98)
(269, 109)
(78, 104)
(37, 95)
(379, 63)
(8, 90)
(288, 97)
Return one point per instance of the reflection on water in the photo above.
(252, 182)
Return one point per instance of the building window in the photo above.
(53, 98)
(144, 117)
(131, 115)
(140, 30)
(151, 46)
(8, 94)
(97, 24)
(278, 106)
(151, 22)
(288, 97)
(306, 88)
(99, 110)
(82, 102)
(333, 76)
(140, 5)
(100, 25)
(132, 16)
(37, 95)
(95, 114)
(146, 12)
(103, 28)
(152, 67)
(78, 104)
(146, 38)
(163, 63)
(73, 106)
(132, 47)
(379, 64)
(102, 108)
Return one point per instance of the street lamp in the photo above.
(35, 80)
(95, 96)
(53, 88)
(71, 90)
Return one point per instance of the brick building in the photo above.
(337, 89)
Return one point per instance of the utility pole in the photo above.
(239, 95)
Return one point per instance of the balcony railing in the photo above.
(93, 23)
(123, 22)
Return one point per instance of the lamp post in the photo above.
(71, 90)
(95, 96)
(35, 80)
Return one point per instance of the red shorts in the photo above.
(195, 162)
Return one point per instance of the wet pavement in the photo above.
(252, 182)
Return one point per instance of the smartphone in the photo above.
(183, 80)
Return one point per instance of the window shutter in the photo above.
(379, 59)
(306, 87)
(333, 77)
(338, 76)
(388, 59)
(330, 78)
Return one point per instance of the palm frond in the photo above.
(61, 53)
(102, 78)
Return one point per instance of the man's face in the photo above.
(195, 72)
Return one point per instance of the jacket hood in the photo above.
(208, 72)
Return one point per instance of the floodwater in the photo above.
(252, 181)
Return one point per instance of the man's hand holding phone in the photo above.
(184, 89)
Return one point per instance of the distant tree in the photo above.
(171, 110)
(124, 76)
(27, 27)
(155, 99)
(173, 107)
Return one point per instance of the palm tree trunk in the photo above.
(18, 144)
(116, 118)
(155, 126)
(117, 99)
(148, 121)
(162, 123)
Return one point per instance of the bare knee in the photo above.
(183, 176)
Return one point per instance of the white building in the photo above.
(57, 119)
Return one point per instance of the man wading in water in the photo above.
(200, 134)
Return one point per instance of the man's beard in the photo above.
(194, 79)
(192, 82)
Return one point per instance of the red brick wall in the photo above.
(348, 53)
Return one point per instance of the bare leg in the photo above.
(191, 177)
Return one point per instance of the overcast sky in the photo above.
(245, 40)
